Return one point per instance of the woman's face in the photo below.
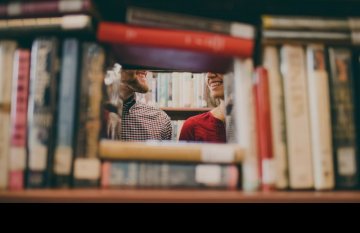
(215, 83)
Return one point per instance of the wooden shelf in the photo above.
(184, 113)
(178, 196)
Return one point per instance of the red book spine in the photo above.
(177, 39)
(263, 124)
(44, 8)
(19, 119)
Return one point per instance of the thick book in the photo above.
(342, 95)
(170, 59)
(19, 108)
(119, 33)
(41, 111)
(271, 62)
(64, 148)
(86, 165)
(298, 134)
(263, 125)
(7, 50)
(136, 174)
(320, 117)
(155, 18)
(44, 8)
(170, 151)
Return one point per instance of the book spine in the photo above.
(244, 121)
(340, 37)
(263, 124)
(41, 111)
(7, 50)
(66, 122)
(153, 18)
(44, 8)
(272, 64)
(19, 108)
(4, 149)
(319, 103)
(304, 23)
(168, 175)
(86, 168)
(48, 24)
(166, 151)
(297, 117)
(179, 39)
(164, 58)
(343, 119)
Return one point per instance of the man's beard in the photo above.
(136, 86)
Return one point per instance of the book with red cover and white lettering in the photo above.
(263, 125)
(111, 32)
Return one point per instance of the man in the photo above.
(138, 121)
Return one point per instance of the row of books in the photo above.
(50, 110)
(177, 90)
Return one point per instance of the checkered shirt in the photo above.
(144, 122)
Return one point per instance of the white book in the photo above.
(297, 117)
(175, 88)
(318, 87)
(187, 90)
(245, 131)
(272, 64)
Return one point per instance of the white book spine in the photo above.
(272, 64)
(246, 132)
(297, 117)
(175, 88)
(320, 118)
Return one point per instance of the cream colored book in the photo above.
(171, 151)
(319, 103)
(272, 64)
(298, 133)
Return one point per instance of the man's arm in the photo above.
(166, 133)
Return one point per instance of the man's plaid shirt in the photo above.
(144, 122)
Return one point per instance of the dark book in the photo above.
(168, 58)
(342, 93)
(86, 165)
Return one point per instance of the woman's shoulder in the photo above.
(198, 118)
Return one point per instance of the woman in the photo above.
(209, 126)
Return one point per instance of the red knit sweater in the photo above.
(203, 128)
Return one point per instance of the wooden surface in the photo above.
(184, 113)
(170, 196)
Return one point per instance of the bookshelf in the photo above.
(175, 196)
(245, 11)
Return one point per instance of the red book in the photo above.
(44, 8)
(177, 39)
(19, 119)
(263, 125)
